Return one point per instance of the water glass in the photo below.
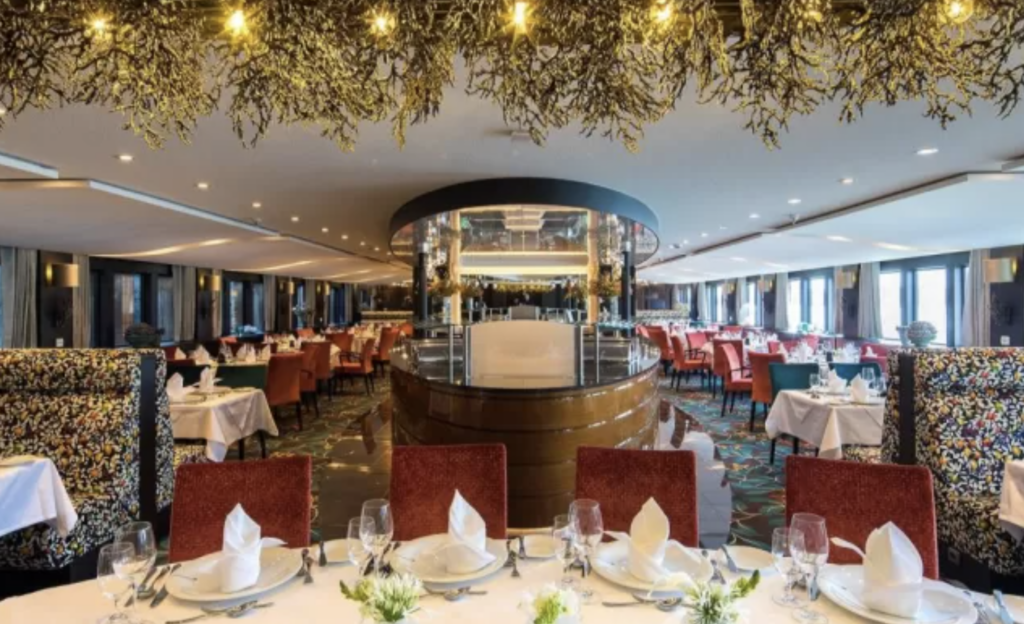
(142, 539)
(814, 381)
(588, 527)
(784, 542)
(112, 586)
(811, 554)
(563, 540)
(355, 550)
(377, 536)
(868, 375)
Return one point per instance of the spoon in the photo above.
(455, 595)
(661, 604)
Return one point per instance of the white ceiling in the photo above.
(698, 170)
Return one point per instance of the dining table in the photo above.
(827, 421)
(223, 419)
(321, 602)
(32, 492)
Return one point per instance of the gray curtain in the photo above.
(702, 302)
(837, 301)
(81, 322)
(270, 303)
(311, 301)
(19, 270)
(782, 301)
(184, 302)
(216, 305)
(977, 304)
(869, 317)
(741, 300)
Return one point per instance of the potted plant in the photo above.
(385, 600)
(143, 336)
(921, 333)
(551, 605)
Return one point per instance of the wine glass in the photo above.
(868, 375)
(811, 554)
(377, 535)
(113, 586)
(784, 541)
(563, 539)
(588, 529)
(355, 550)
(140, 536)
(814, 380)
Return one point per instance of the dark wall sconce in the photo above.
(1000, 270)
(209, 283)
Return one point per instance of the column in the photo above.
(626, 295)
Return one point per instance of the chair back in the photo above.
(366, 358)
(169, 352)
(212, 347)
(407, 329)
(243, 376)
(856, 498)
(849, 370)
(188, 370)
(307, 380)
(880, 361)
(622, 480)
(721, 366)
(790, 377)
(305, 332)
(283, 375)
(387, 340)
(275, 493)
(761, 375)
(642, 330)
(660, 339)
(323, 360)
(424, 480)
(735, 364)
(696, 340)
(678, 352)
(880, 350)
(342, 340)
(733, 329)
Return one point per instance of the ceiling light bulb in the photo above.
(376, 248)
(295, 219)
(236, 23)
(703, 234)
(202, 186)
(125, 158)
(362, 243)
(927, 151)
(344, 237)
(956, 11)
(3, 111)
(257, 205)
(520, 16)
(661, 12)
(324, 230)
(754, 215)
(838, 239)
(847, 181)
(795, 201)
(382, 23)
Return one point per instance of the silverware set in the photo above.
(513, 555)
(661, 604)
(716, 576)
(307, 564)
(162, 594)
(230, 612)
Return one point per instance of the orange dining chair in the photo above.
(733, 329)
(660, 339)
(382, 357)
(856, 498)
(284, 384)
(622, 480)
(307, 380)
(275, 493)
(324, 369)
(881, 356)
(761, 380)
(719, 365)
(737, 379)
(686, 362)
(304, 332)
(359, 365)
(342, 340)
(424, 480)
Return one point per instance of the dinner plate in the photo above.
(1014, 604)
(539, 546)
(870, 401)
(749, 559)
(416, 557)
(337, 550)
(277, 567)
(611, 565)
(940, 603)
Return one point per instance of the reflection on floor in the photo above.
(741, 495)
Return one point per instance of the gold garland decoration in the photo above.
(609, 67)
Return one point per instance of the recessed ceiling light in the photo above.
(125, 158)
(257, 205)
(754, 215)
(739, 259)
(324, 230)
(362, 243)
(703, 234)
(846, 181)
(838, 239)
(686, 242)
(202, 186)
(894, 247)
(795, 201)
(344, 237)
(376, 248)
(721, 227)
(295, 219)
(927, 151)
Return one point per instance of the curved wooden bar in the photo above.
(540, 428)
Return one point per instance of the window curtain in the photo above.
(869, 318)
(782, 301)
(977, 303)
(741, 301)
(311, 302)
(270, 303)
(837, 301)
(20, 268)
(81, 321)
(217, 305)
(702, 302)
(184, 285)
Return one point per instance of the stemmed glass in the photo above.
(868, 375)
(588, 528)
(811, 554)
(356, 551)
(563, 540)
(784, 542)
(377, 535)
(140, 536)
(814, 381)
(113, 586)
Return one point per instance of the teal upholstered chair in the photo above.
(248, 376)
(789, 377)
(189, 372)
(848, 371)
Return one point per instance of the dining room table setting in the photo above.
(575, 572)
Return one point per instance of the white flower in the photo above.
(548, 604)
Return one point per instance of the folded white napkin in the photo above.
(652, 557)
(859, 391)
(893, 573)
(466, 548)
(179, 354)
(250, 355)
(1011, 499)
(785, 354)
(239, 565)
(176, 390)
(804, 351)
(201, 355)
(267, 352)
(869, 352)
(835, 382)
(206, 380)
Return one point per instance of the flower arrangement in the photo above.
(716, 604)
(551, 605)
(523, 287)
(605, 286)
(577, 290)
(471, 290)
(921, 333)
(385, 600)
(443, 288)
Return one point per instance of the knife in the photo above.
(323, 554)
(162, 594)
(1004, 614)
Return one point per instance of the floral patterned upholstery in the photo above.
(79, 407)
(969, 405)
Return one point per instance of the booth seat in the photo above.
(102, 417)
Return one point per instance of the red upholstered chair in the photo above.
(382, 357)
(881, 355)
(686, 362)
(856, 498)
(760, 376)
(622, 480)
(424, 480)
(169, 352)
(342, 340)
(720, 367)
(284, 383)
(305, 332)
(407, 329)
(660, 339)
(811, 340)
(274, 492)
(737, 378)
(733, 329)
(643, 331)
(359, 365)
(324, 370)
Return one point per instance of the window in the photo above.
(1, 309)
(235, 308)
(300, 304)
(721, 313)
(891, 300)
(127, 305)
(819, 303)
(165, 307)
(750, 310)
(930, 299)
(794, 310)
(258, 307)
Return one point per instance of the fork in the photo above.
(514, 557)
(982, 611)
(716, 576)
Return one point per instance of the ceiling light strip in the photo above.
(28, 166)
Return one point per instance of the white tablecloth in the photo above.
(32, 493)
(322, 603)
(826, 423)
(1011, 502)
(223, 421)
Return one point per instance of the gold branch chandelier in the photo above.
(608, 67)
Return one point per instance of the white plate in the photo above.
(539, 546)
(1014, 604)
(940, 603)
(416, 557)
(611, 565)
(277, 567)
(336, 551)
(749, 559)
